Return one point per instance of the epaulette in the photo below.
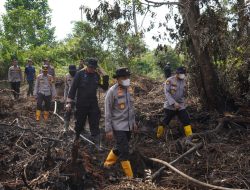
(167, 82)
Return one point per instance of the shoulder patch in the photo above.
(167, 82)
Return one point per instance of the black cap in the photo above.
(181, 70)
(72, 68)
(122, 72)
(92, 62)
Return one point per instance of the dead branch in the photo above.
(158, 172)
(217, 129)
(222, 122)
(238, 119)
(24, 177)
(40, 179)
(163, 3)
(190, 178)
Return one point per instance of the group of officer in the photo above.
(81, 92)
(44, 88)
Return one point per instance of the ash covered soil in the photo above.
(41, 156)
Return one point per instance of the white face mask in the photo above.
(182, 76)
(126, 82)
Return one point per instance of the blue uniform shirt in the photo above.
(30, 72)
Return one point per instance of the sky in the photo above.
(64, 12)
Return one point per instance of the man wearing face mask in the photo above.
(120, 120)
(68, 82)
(85, 84)
(175, 90)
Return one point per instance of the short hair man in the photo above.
(30, 73)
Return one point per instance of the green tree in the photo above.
(166, 54)
(114, 25)
(209, 33)
(27, 23)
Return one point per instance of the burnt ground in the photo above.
(40, 156)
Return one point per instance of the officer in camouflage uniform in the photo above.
(15, 77)
(68, 82)
(175, 90)
(44, 91)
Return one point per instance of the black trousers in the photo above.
(182, 115)
(16, 87)
(121, 148)
(31, 87)
(47, 102)
(92, 111)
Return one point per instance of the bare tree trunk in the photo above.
(209, 83)
(134, 17)
(242, 20)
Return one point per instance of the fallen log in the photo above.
(196, 147)
(190, 178)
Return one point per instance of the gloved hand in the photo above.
(68, 106)
(160, 131)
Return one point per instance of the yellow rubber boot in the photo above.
(188, 130)
(110, 160)
(127, 168)
(160, 131)
(38, 115)
(46, 115)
